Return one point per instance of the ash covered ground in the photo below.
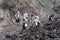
(46, 30)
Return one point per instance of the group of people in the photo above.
(25, 19)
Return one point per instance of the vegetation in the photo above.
(57, 9)
(7, 4)
(27, 1)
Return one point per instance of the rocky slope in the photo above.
(45, 32)
(42, 8)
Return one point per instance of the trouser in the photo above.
(23, 29)
(17, 20)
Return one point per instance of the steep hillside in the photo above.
(42, 8)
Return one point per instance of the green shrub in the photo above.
(27, 1)
(7, 4)
(57, 9)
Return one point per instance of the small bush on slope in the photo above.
(57, 9)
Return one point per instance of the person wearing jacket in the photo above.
(17, 17)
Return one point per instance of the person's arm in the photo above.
(15, 15)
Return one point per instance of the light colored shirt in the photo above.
(17, 15)
(36, 20)
(25, 16)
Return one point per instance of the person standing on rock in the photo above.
(50, 17)
(17, 17)
(24, 25)
(26, 16)
(36, 20)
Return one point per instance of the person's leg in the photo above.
(18, 20)
(22, 30)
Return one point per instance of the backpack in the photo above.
(26, 25)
